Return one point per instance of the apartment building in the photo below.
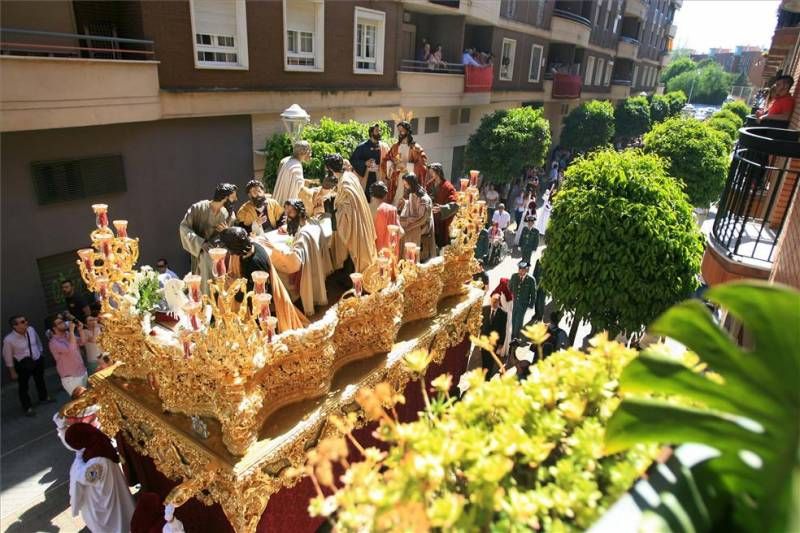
(756, 230)
(145, 105)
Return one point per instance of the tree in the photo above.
(589, 126)
(727, 114)
(738, 107)
(329, 136)
(676, 100)
(677, 66)
(622, 244)
(708, 84)
(695, 154)
(632, 117)
(726, 127)
(508, 140)
(659, 108)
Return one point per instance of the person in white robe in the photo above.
(544, 212)
(416, 217)
(97, 487)
(290, 182)
(305, 262)
(202, 223)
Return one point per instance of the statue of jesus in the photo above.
(404, 157)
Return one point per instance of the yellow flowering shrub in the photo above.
(509, 455)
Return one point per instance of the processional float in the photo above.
(196, 398)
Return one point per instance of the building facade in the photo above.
(145, 105)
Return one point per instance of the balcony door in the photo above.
(408, 39)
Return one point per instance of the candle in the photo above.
(464, 183)
(272, 325)
(122, 228)
(394, 236)
(260, 279)
(358, 283)
(261, 305)
(193, 309)
(101, 215)
(102, 286)
(411, 252)
(218, 259)
(187, 343)
(193, 283)
(87, 256)
(105, 244)
(473, 177)
(383, 262)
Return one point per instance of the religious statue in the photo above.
(445, 203)
(404, 157)
(290, 182)
(367, 158)
(305, 259)
(260, 213)
(354, 236)
(416, 217)
(253, 257)
(201, 226)
(322, 195)
(385, 215)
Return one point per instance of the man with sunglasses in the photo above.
(22, 354)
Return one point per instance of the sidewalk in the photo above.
(34, 466)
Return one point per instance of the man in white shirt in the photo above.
(501, 217)
(467, 58)
(22, 354)
(164, 272)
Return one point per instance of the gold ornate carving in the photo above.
(423, 288)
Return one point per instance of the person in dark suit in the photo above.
(494, 319)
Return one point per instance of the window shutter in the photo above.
(215, 17)
(62, 181)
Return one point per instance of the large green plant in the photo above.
(696, 155)
(748, 409)
(729, 114)
(738, 107)
(510, 455)
(589, 126)
(676, 101)
(659, 108)
(622, 244)
(329, 136)
(676, 67)
(508, 140)
(725, 126)
(632, 117)
(708, 84)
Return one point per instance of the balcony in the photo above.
(620, 89)
(566, 86)
(60, 80)
(569, 27)
(451, 85)
(665, 59)
(673, 30)
(635, 8)
(627, 48)
(752, 211)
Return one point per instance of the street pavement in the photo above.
(34, 471)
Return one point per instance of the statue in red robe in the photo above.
(445, 203)
(404, 157)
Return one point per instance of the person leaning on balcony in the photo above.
(435, 60)
(782, 104)
(467, 58)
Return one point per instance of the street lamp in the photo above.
(294, 120)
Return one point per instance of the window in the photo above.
(608, 15)
(539, 12)
(368, 41)
(431, 124)
(597, 12)
(54, 269)
(536, 63)
(587, 76)
(609, 69)
(564, 109)
(507, 59)
(220, 33)
(635, 74)
(598, 75)
(304, 40)
(415, 125)
(511, 8)
(464, 116)
(62, 181)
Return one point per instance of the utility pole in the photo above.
(691, 90)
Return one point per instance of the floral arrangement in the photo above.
(508, 455)
(145, 291)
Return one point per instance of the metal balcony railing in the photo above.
(621, 81)
(54, 44)
(762, 175)
(411, 65)
(574, 17)
(630, 40)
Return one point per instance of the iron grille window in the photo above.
(431, 124)
(464, 118)
(55, 269)
(62, 181)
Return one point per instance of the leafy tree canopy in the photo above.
(632, 117)
(696, 155)
(708, 84)
(622, 244)
(329, 136)
(677, 66)
(727, 114)
(727, 127)
(659, 108)
(676, 100)
(508, 140)
(739, 107)
(589, 126)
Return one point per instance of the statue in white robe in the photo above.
(290, 182)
